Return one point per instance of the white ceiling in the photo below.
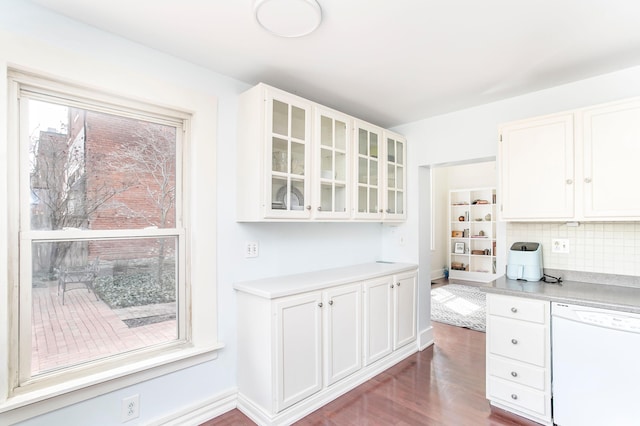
(388, 61)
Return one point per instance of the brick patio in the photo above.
(85, 329)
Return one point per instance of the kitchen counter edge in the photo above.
(603, 296)
(289, 285)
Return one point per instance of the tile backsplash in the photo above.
(602, 247)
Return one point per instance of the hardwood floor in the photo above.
(442, 385)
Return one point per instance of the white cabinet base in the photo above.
(300, 336)
(326, 395)
(521, 413)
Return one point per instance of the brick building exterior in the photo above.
(107, 172)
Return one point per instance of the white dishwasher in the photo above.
(595, 366)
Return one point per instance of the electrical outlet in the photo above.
(130, 408)
(559, 245)
(251, 249)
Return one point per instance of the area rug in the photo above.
(459, 305)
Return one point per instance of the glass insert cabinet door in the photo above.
(332, 164)
(395, 175)
(367, 163)
(288, 125)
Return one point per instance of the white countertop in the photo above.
(288, 285)
(603, 296)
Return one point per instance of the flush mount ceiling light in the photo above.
(288, 18)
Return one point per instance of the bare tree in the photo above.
(150, 156)
(60, 197)
(123, 174)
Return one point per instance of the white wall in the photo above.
(28, 31)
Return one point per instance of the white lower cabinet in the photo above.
(297, 352)
(519, 356)
(405, 310)
(390, 315)
(378, 327)
(298, 348)
(343, 332)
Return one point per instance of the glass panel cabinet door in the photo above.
(288, 129)
(395, 176)
(333, 132)
(368, 169)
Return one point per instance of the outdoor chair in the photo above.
(79, 277)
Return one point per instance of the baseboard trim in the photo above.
(326, 395)
(425, 338)
(543, 420)
(199, 413)
(436, 273)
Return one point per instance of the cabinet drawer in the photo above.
(518, 396)
(518, 308)
(516, 372)
(519, 340)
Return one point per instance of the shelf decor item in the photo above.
(459, 248)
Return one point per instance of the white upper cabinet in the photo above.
(536, 173)
(332, 152)
(300, 161)
(611, 144)
(368, 171)
(274, 155)
(577, 165)
(395, 177)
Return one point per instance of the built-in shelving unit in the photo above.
(472, 234)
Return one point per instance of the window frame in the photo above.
(74, 384)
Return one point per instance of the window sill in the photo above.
(43, 400)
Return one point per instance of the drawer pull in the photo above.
(320, 305)
(514, 374)
(514, 341)
(514, 310)
(514, 396)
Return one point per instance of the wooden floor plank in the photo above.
(442, 385)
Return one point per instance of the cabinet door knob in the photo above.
(514, 310)
(320, 305)
(398, 284)
(514, 341)
(309, 207)
(330, 302)
(388, 210)
(380, 211)
(392, 285)
(514, 374)
(514, 396)
(569, 181)
(319, 208)
(587, 180)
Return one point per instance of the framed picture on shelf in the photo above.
(458, 248)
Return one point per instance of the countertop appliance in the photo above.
(525, 262)
(595, 366)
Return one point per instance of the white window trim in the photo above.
(202, 347)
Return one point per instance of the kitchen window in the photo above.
(97, 209)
